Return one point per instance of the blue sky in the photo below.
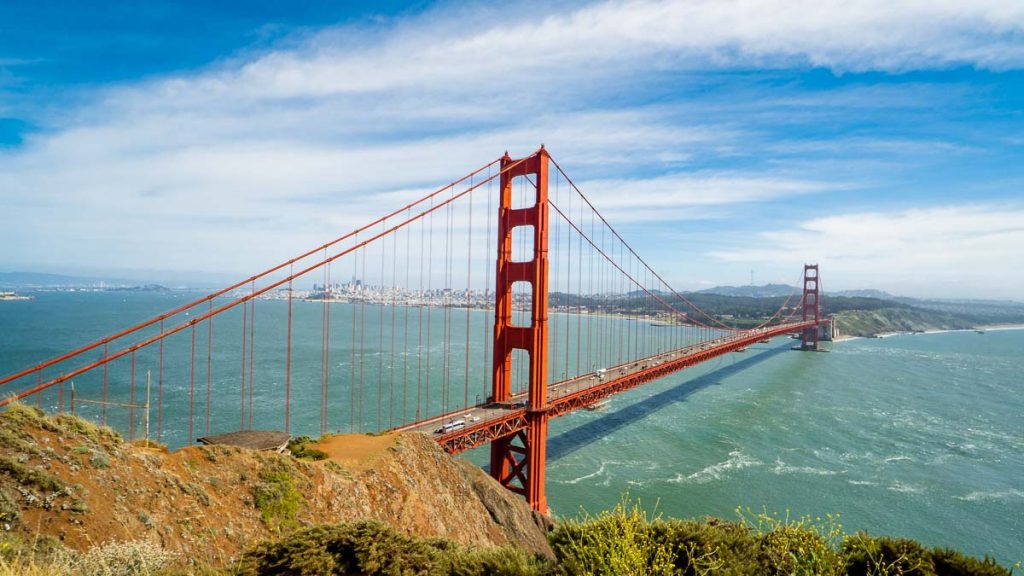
(884, 140)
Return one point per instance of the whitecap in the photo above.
(783, 468)
(905, 488)
(1011, 494)
(737, 461)
(598, 472)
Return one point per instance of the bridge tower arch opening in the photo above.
(518, 460)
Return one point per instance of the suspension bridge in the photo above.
(410, 323)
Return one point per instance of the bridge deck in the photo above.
(485, 423)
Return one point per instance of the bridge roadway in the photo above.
(487, 422)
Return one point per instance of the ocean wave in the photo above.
(599, 471)
(899, 458)
(1011, 494)
(737, 461)
(783, 468)
(862, 482)
(904, 488)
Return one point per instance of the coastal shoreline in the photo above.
(981, 328)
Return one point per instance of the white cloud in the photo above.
(693, 195)
(610, 37)
(942, 251)
(276, 151)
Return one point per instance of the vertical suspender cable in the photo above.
(245, 342)
(209, 364)
(553, 270)
(288, 361)
(579, 296)
(252, 350)
(324, 295)
(469, 297)
(352, 367)
(380, 335)
(430, 271)
(105, 367)
(394, 312)
(405, 329)
(362, 331)
(192, 389)
(484, 367)
(159, 390)
(131, 402)
(325, 402)
(419, 326)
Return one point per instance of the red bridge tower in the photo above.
(518, 460)
(811, 308)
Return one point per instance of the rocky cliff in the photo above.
(67, 479)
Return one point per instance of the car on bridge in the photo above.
(451, 427)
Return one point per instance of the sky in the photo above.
(882, 139)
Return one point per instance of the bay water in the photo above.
(919, 436)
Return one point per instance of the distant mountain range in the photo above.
(40, 280)
(777, 290)
(128, 279)
(766, 291)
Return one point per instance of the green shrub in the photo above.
(710, 547)
(276, 497)
(949, 562)
(29, 477)
(299, 447)
(503, 561)
(10, 511)
(100, 461)
(617, 543)
(865, 555)
(372, 548)
(803, 546)
(362, 548)
(868, 556)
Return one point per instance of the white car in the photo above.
(451, 426)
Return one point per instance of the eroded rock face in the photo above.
(70, 480)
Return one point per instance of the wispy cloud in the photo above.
(694, 195)
(288, 146)
(941, 251)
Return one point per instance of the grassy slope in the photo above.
(883, 320)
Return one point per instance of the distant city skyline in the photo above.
(880, 140)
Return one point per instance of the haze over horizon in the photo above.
(881, 140)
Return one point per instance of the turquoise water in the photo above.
(919, 436)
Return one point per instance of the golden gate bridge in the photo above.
(429, 332)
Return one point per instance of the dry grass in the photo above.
(356, 451)
(122, 558)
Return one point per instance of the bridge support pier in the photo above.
(518, 461)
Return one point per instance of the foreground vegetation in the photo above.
(623, 541)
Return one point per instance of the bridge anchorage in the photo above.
(574, 317)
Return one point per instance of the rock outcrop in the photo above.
(65, 478)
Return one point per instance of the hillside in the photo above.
(68, 481)
(868, 323)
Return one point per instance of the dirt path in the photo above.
(356, 450)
